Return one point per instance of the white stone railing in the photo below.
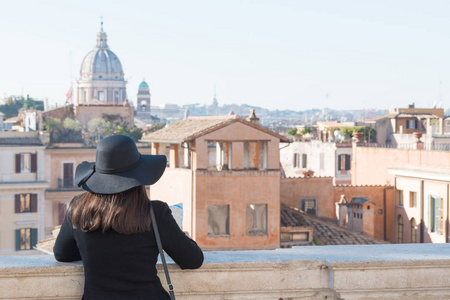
(406, 271)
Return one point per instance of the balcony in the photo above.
(67, 184)
(402, 271)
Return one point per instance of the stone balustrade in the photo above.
(403, 271)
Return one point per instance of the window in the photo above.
(296, 160)
(212, 156)
(257, 219)
(223, 156)
(400, 230)
(25, 203)
(413, 231)
(26, 163)
(412, 199)
(116, 96)
(255, 155)
(219, 155)
(435, 214)
(85, 95)
(400, 197)
(411, 124)
(101, 95)
(308, 206)
(67, 181)
(344, 161)
(26, 238)
(218, 220)
(143, 106)
(304, 161)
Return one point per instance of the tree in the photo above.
(72, 124)
(307, 130)
(292, 131)
(134, 133)
(13, 106)
(52, 124)
(98, 129)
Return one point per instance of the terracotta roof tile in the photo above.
(194, 127)
(324, 232)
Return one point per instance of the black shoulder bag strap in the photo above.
(161, 253)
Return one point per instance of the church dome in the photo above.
(143, 86)
(101, 63)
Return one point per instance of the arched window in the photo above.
(413, 231)
(400, 230)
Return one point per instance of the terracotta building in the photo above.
(225, 174)
(318, 196)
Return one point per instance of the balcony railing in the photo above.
(67, 184)
(402, 271)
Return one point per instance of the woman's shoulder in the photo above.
(159, 205)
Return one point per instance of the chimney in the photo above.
(252, 117)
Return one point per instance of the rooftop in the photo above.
(324, 232)
(193, 127)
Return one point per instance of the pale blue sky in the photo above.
(275, 54)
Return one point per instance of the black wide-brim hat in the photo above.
(119, 167)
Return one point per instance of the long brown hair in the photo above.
(127, 212)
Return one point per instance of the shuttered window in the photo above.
(26, 163)
(344, 161)
(435, 215)
(26, 238)
(25, 203)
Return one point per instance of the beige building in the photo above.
(397, 127)
(22, 191)
(225, 174)
(61, 161)
(421, 204)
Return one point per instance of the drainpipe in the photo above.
(421, 211)
(384, 208)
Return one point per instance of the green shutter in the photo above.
(33, 237)
(17, 239)
(437, 222)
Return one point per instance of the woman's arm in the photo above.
(66, 248)
(184, 251)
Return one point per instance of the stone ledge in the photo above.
(407, 271)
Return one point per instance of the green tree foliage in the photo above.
(157, 126)
(292, 131)
(370, 133)
(52, 124)
(307, 130)
(134, 133)
(72, 124)
(99, 128)
(12, 107)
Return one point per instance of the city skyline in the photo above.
(273, 54)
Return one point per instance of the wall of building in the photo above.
(12, 184)
(327, 195)
(370, 164)
(86, 113)
(237, 189)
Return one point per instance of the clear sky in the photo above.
(276, 54)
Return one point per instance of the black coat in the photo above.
(120, 266)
